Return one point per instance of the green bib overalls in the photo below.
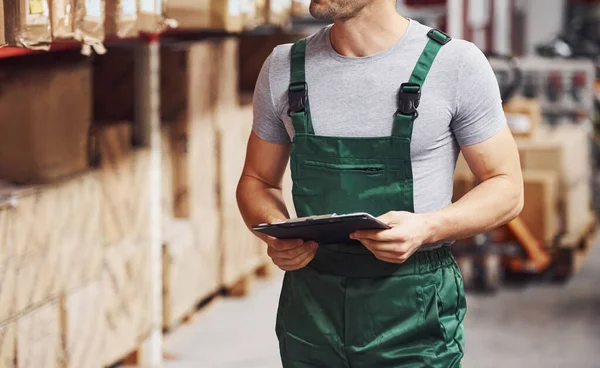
(347, 308)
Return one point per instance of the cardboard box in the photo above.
(46, 117)
(300, 8)
(540, 210)
(524, 116)
(62, 13)
(84, 330)
(150, 15)
(114, 85)
(121, 18)
(124, 181)
(564, 150)
(184, 284)
(8, 345)
(253, 13)
(279, 12)
(2, 36)
(576, 206)
(126, 283)
(27, 23)
(89, 23)
(54, 233)
(224, 15)
(39, 339)
(193, 79)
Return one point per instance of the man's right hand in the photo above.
(291, 255)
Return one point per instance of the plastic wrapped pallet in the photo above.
(89, 25)
(225, 15)
(27, 23)
(191, 76)
(84, 329)
(63, 19)
(183, 284)
(55, 232)
(124, 183)
(41, 140)
(8, 351)
(121, 18)
(576, 207)
(127, 292)
(38, 338)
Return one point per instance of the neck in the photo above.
(376, 28)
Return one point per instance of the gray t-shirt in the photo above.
(356, 97)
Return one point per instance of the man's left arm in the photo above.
(491, 152)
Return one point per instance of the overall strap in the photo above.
(409, 95)
(299, 109)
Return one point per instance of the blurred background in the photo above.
(123, 126)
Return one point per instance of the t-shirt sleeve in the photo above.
(267, 124)
(478, 112)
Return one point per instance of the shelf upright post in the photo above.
(147, 134)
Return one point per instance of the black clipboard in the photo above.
(326, 229)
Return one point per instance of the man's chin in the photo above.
(318, 12)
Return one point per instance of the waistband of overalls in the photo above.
(365, 265)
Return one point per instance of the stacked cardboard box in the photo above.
(40, 139)
(27, 23)
(565, 151)
(150, 15)
(225, 15)
(8, 341)
(300, 8)
(279, 12)
(39, 338)
(121, 18)
(524, 116)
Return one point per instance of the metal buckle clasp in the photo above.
(409, 98)
(297, 97)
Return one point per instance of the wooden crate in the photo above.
(54, 230)
(84, 331)
(38, 338)
(127, 295)
(540, 210)
(183, 282)
(8, 347)
(124, 181)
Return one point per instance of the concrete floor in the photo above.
(534, 325)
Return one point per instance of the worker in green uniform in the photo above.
(373, 112)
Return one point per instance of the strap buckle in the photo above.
(439, 36)
(298, 97)
(409, 98)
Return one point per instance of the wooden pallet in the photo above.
(244, 285)
(188, 317)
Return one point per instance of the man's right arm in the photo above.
(259, 193)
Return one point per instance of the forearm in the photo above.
(260, 203)
(492, 203)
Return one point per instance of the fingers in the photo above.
(291, 253)
(299, 262)
(388, 251)
(285, 244)
(378, 235)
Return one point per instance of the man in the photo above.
(374, 111)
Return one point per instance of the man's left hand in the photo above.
(407, 234)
